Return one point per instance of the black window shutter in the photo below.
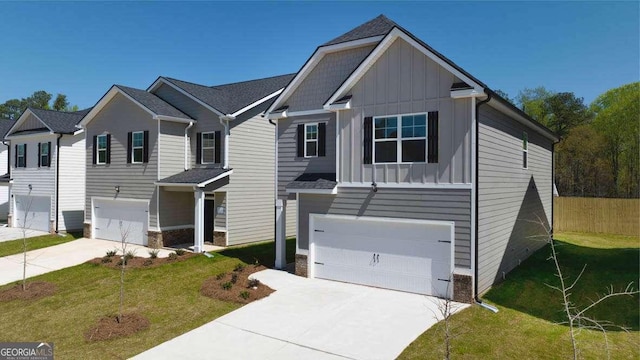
(129, 143)
(25, 155)
(50, 152)
(16, 155)
(218, 146)
(432, 138)
(368, 140)
(300, 140)
(40, 155)
(108, 155)
(322, 139)
(145, 149)
(199, 148)
(95, 149)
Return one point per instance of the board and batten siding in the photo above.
(405, 81)
(424, 204)
(326, 77)
(136, 181)
(41, 179)
(514, 204)
(290, 166)
(71, 187)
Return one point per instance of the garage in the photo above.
(400, 254)
(113, 219)
(33, 212)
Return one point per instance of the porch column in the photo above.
(281, 234)
(198, 231)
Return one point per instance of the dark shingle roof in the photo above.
(152, 102)
(376, 27)
(5, 125)
(315, 181)
(229, 98)
(60, 122)
(194, 176)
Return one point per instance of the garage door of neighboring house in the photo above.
(113, 219)
(406, 255)
(33, 212)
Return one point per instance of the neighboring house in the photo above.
(47, 179)
(5, 153)
(409, 173)
(182, 163)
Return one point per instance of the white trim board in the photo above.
(406, 185)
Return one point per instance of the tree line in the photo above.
(13, 108)
(599, 151)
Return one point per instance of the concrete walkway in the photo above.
(61, 256)
(11, 233)
(309, 319)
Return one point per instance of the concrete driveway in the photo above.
(309, 319)
(12, 233)
(61, 256)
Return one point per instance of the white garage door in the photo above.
(32, 212)
(406, 255)
(114, 219)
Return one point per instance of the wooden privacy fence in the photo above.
(597, 215)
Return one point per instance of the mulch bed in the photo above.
(139, 262)
(240, 291)
(109, 328)
(34, 290)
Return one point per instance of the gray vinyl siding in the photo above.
(177, 208)
(405, 81)
(290, 166)
(220, 220)
(512, 200)
(171, 148)
(136, 181)
(326, 77)
(425, 204)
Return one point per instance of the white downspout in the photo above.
(186, 145)
(224, 120)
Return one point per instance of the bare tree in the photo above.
(576, 317)
(25, 224)
(446, 307)
(124, 234)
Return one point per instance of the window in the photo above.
(101, 149)
(21, 158)
(310, 140)
(208, 148)
(44, 154)
(525, 150)
(408, 146)
(137, 147)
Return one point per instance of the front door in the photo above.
(209, 212)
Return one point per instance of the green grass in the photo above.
(527, 324)
(168, 295)
(33, 243)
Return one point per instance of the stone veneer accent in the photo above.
(86, 230)
(301, 265)
(9, 220)
(52, 227)
(177, 236)
(154, 239)
(219, 238)
(462, 288)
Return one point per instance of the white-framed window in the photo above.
(101, 149)
(408, 145)
(525, 150)
(21, 160)
(137, 147)
(311, 140)
(44, 154)
(208, 150)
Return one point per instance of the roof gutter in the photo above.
(186, 146)
(57, 179)
(224, 120)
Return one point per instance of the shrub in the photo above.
(220, 276)
(154, 253)
(173, 256)
(234, 278)
(147, 262)
(253, 282)
(180, 252)
(244, 295)
(106, 259)
(227, 285)
(112, 253)
(239, 267)
(129, 255)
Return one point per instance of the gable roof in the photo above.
(57, 122)
(381, 25)
(233, 97)
(5, 125)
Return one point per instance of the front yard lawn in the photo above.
(527, 324)
(33, 243)
(169, 296)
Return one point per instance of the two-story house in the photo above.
(5, 166)
(46, 173)
(182, 163)
(409, 173)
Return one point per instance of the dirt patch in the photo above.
(235, 286)
(34, 290)
(109, 328)
(139, 262)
